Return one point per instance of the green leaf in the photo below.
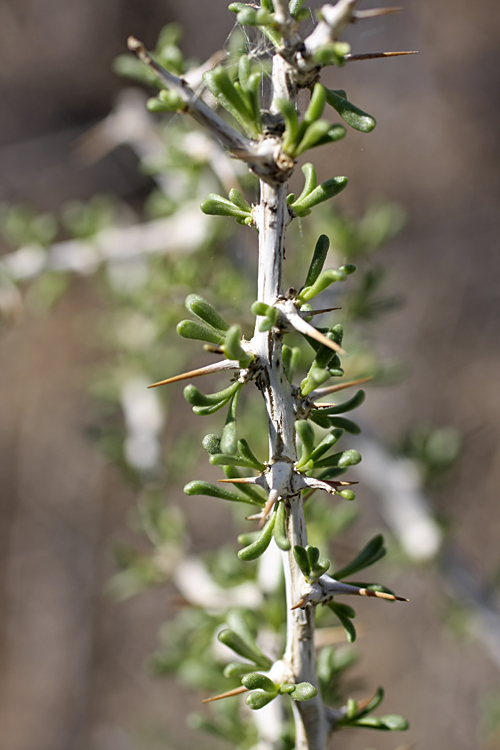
(205, 312)
(289, 113)
(313, 137)
(353, 403)
(237, 669)
(369, 555)
(236, 197)
(342, 460)
(257, 548)
(306, 436)
(318, 259)
(232, 472)
(325, 191)
(260, 308)
(345, 619)
(345, 424)
(310, 182)
(302, 560)
(198, 487)
(352, 115)
(280, 536)
(216, 205)
(235, 642)
(238, 624)
(324, 280)
(228, 441)
(223, 459)
(373, 704)
(259, 699)
(232, 347)
(188, 329)
(220, 85)
(257, 681)
(196, 398)
(245, 451)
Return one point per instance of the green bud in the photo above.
(348, 268)
(318, 259)
(199, 487)
(351, 708)
(189, 329)
(352, 115)
(347, 494)
(257, 548)
(280, 536)
(212, 444)
(323, 192)
(259, 699)
(370, 554)
(286, 688)
(257, 681)
(304, 691)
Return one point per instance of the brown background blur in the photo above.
(71, 662)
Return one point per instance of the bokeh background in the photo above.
(72, 671)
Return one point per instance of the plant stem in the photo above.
(299, 655)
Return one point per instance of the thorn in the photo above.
(240, 480)
(322, 406)
(319, 392)
(236, 691)
(213, 349)
(272, 499)
(382, 595)
(255, 517)
(319, 312)
(375, 55)
(307, 329)
(359, 15)
(135, 45)
(299, 604)
(228, 364)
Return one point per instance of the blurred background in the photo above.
(72, 673)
